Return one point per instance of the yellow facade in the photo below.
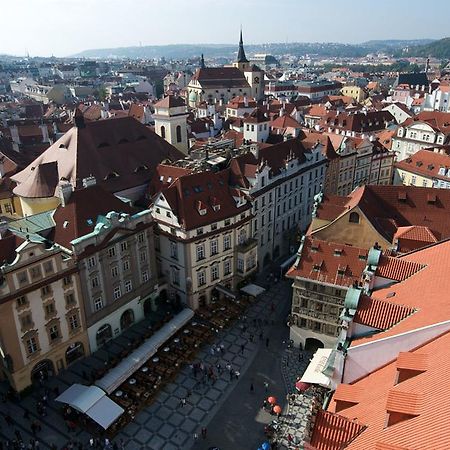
(355, 92)
(411, 179)
(30, 206)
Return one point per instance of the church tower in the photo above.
(242, 62)
(171, 122)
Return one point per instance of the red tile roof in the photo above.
(380, 313)
(397, 269)
(185, 193)
(426, 163)
(334, 432)
(170, 101)
(329, 262)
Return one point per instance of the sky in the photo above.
(65, 27)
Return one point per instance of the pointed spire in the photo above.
(241, 58)
(202, 62)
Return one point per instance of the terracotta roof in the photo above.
(80, 214)
(359, 122)
(420, 402)
(334, 432)
(239, 102)
(427, 163)
(257, 116)
(329, 262)
(438, 120)
(285, 122)
(426, 291)
(185, 193)
(170, 101)
(164, 176)
(380, 313)
(119, 153)
(397, 269)
(215, 77)
(136, 111)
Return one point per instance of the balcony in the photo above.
(246, 246)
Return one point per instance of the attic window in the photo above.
(430, 167)
(419, 163)
(431, 198)
(90, 222)
(402, 196)
(216, 207)
(316, 267)
(337, 251)
(341, 270)
(198, 189)
(65, 224)
(390, 295)
(62, 146)
(111, 175)
(186, 192)
(362, 257)
(140, 168)
(102, 144)
(314, 247)
(202, 211)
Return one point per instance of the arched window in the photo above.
(178, 133)
(354, 217)
(163, 132)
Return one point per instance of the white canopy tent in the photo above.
(253, 290)
(116, 376)
(92, 401)
(313, 373)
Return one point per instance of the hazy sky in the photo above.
(64, 27)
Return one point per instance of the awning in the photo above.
(313, 373)
(116, 376)
(228, 292)
(105, 412)
(92, 401)
(252, 289)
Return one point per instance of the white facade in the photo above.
(256, 132)
(171, 125)
(438, 100)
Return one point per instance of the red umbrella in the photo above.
(301, 386)
(277, 409)
(272, 400)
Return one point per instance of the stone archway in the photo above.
(74, 352)
(42, 370)
(127, 319)
(312, 344)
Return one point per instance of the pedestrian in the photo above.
(242, 349)
(252, 388)
(212, 351)
(195, 436)
(204, 432)
(266, 386)
(267, 342)
(183, 402)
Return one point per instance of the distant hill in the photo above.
(437, 49)
(229, 50)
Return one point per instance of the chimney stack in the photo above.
(65, 190)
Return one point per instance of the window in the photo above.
(240, 265)
(126, 265)
(354, 217)
(94, 282)
(201, 278)
(227, 222)
(35, 272)
(26, 321)
(128, 286)
(168, 214)
(144, 276)
(143, 256)
(140, 238)
(227, 242)
(227, 267)
(48, 267)
(67, 280)
(163, 132)
(175, 276)
(123, 246)
(214, 247)
(46, 290)
(200, 252)
(70, 299)
(21, 301)
(214, 272)
(53, 332)
(179, 133)
(117, 293)
(213, 226)
(22, 277)
(91, 262)
(49, 309)
(73, 322)
(98, 304)
(243, 236)
(173, 250)
(31, 344)
(114, 271)
(111, 252)
(413, 180)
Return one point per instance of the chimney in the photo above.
(14, 134)
(89, 181)
(44, 131)
(65, 190)
(255, 150)
(78, 119)
(245, 101)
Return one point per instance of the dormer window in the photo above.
(201, 208)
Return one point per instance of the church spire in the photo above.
(202, 62)
(241, 58)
